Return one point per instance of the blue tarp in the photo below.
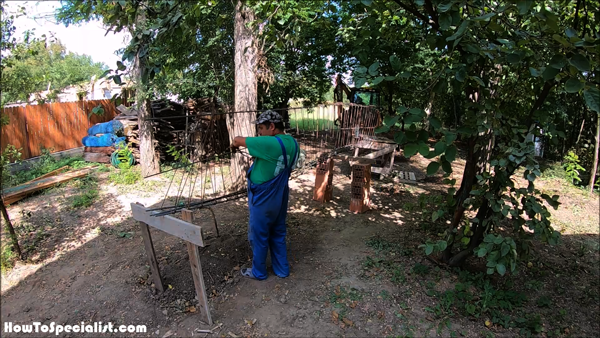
(110, 127)
(105, 140)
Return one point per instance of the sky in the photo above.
(87, 38)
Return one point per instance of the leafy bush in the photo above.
(572, 167)
(7, 258)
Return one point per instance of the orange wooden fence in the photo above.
(55, 126)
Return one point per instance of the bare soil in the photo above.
(351, 274)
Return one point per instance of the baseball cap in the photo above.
(268, 116)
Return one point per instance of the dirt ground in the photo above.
(351, 275)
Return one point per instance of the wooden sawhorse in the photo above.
(184, 229)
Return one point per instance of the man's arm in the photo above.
(238, 141)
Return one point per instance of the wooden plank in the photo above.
(50, 174)
(381, 152)
(171, 225)
(96, 157)
(355, 159)
(102, 150)
(196, 266)
(14, 194)
(145, 230)
(381, 171)
(412, 176)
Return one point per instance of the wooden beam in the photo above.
(173, 226)
(195, 264)
(14, 194)
(145, 230)
(360, 160)
(381, 152)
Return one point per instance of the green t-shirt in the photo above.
(268, 156)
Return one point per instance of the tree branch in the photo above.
(418, 14)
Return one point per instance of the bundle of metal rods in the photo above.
(218, 174)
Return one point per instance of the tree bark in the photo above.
(11, 230)
(245, 94)
(148, 157)
(595, 163)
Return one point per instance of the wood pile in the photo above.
(196, 131)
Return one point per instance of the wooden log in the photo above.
(196, 266)
(96, 157)
(381, 152)
(171, 225)
(145, 230)
(101, 150)
(14, 194)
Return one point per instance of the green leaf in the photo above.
(549, 73)
(478, 80)
(450, 137)
(435, 123)
(446, 166)
(592, 99)
(445, 6)
(373, 69)
(490, 271)
(461, 29)
(481, 252)
(432, 168)
(428, 249)
(570, 32)
(504, 41)
(485, 17)
(445, 21)
(377, 80)
(534, 72)
(399, 137)
(505, 249)
(461, 74)
(440, 147)
(361, 70)
(562, 40)
(435, 216)
(580, 62)
(498, 239)
(401, 110)
(423, 149)
(117, 79)
(410, 149)
(501, 269)
(391, 121)
(558, 61)
(405, 75)
(442, 245)
(524, 6)
(424, 135)
(451, 153)
(359, 82)
(367, 2)
(573, 85)
(382, 129)
(395, 62)
(417, 111)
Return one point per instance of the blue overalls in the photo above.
(268, 203)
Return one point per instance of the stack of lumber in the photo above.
(14, 194)
(98, 154)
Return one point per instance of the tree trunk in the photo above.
(595, 163)
(148, 157)
(11, 230)
(239, 124)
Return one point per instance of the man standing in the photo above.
(275, 155)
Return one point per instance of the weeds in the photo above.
(125, 176)
(87, 193)
(7, 258)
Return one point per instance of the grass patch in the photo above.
(311, 120)
(125, 176)
(87, 193)
(44, 165)
(7, 258)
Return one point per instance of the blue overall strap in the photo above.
(284, 152)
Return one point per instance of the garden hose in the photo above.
(114, 159)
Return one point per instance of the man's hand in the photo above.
(238, 141)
